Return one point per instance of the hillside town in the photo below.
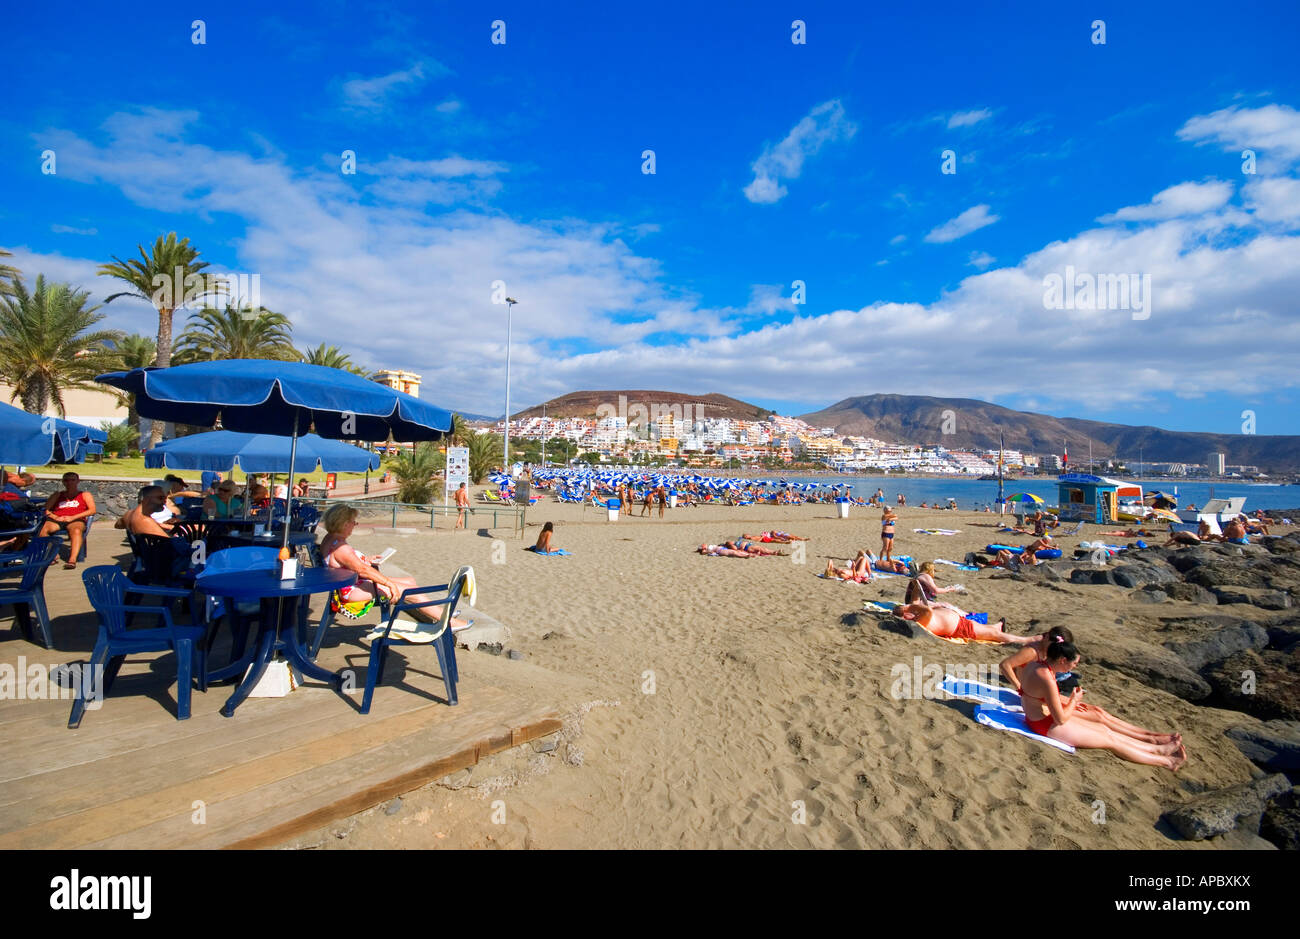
(674, 438)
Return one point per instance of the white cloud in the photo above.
(897, 239)
(969, 118)
(450, 106)
(1273, 130)
(981, 259)
(1275, 200)
(824, 124)
(1176, 201)
(971, 220)
(372, 94)
(70, 230)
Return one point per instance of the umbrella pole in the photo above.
(288, 504)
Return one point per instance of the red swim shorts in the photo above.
(965, 629)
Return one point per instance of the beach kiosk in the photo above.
(1088, 498)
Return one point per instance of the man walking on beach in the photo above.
(462, 503)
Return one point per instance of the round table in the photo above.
(278, 621)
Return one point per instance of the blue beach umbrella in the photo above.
(34, 440)
(285, 398)
(219, 450)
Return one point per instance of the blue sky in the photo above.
(775, 162)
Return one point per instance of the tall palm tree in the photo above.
(48, 345)
(237, 332)
(7, 274)
(333, 357)
(133, 351)
(484, 453)
(166, 278)
(459, 432)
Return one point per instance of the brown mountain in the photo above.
(916, 419)
(586, 404)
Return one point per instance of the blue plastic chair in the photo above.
(215, 609)
(61, 533)
(107, 586)
(28, 594)
(443, 643)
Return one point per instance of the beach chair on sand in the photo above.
(438, 634)
(1067, 532)
(487, 495)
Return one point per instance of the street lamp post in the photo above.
(505, 451)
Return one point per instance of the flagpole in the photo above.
(1001, 445)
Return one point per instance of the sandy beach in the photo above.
(743, 704)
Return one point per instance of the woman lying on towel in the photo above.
(720, 551)
(923, 590)
(779, 537)
(859, 571)
(947, 624)
(1048, 715)
(755, 550)
(1036, 651)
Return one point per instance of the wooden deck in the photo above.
(133, 776)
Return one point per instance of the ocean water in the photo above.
(975, 494)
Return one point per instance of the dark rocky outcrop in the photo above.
(1158, 668)
(1265, 684)
(1271, 745)
(1217, 638)
(1280, 823)
(1222, 810)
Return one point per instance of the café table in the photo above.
(278, 621)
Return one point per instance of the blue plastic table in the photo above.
(279, 621)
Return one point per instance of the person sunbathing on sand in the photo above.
(1036, 651)
(779, 537)
(718, 551)
(1048, 715)
(1235, 532)
(752, 548)
(858, 572)
(946, 624)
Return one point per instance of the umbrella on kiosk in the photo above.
(287, 399)
(221, 450)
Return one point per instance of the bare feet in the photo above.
(1178, 759)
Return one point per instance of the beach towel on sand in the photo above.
(978, 691)
(936, 531)
(956, 564)
(557, 553)
(1001, 719)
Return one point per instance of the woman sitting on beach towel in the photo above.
(946, 624)
(859, 571)
(543, 545)
(1046, 714)
(1036, 651)
(923, 590)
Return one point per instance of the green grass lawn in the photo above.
(134, 466)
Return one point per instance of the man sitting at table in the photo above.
(140, 520)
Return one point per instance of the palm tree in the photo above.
(459, 432)
(133, 351)
(7, 273)
(47, 345)
(484, 453)
(417, 482)
(237, 332)
(333, 357)
(167, 279)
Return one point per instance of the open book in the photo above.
(388, 553)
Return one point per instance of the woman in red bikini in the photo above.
(1046, 714)
(1036, 651)
(946, 624)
